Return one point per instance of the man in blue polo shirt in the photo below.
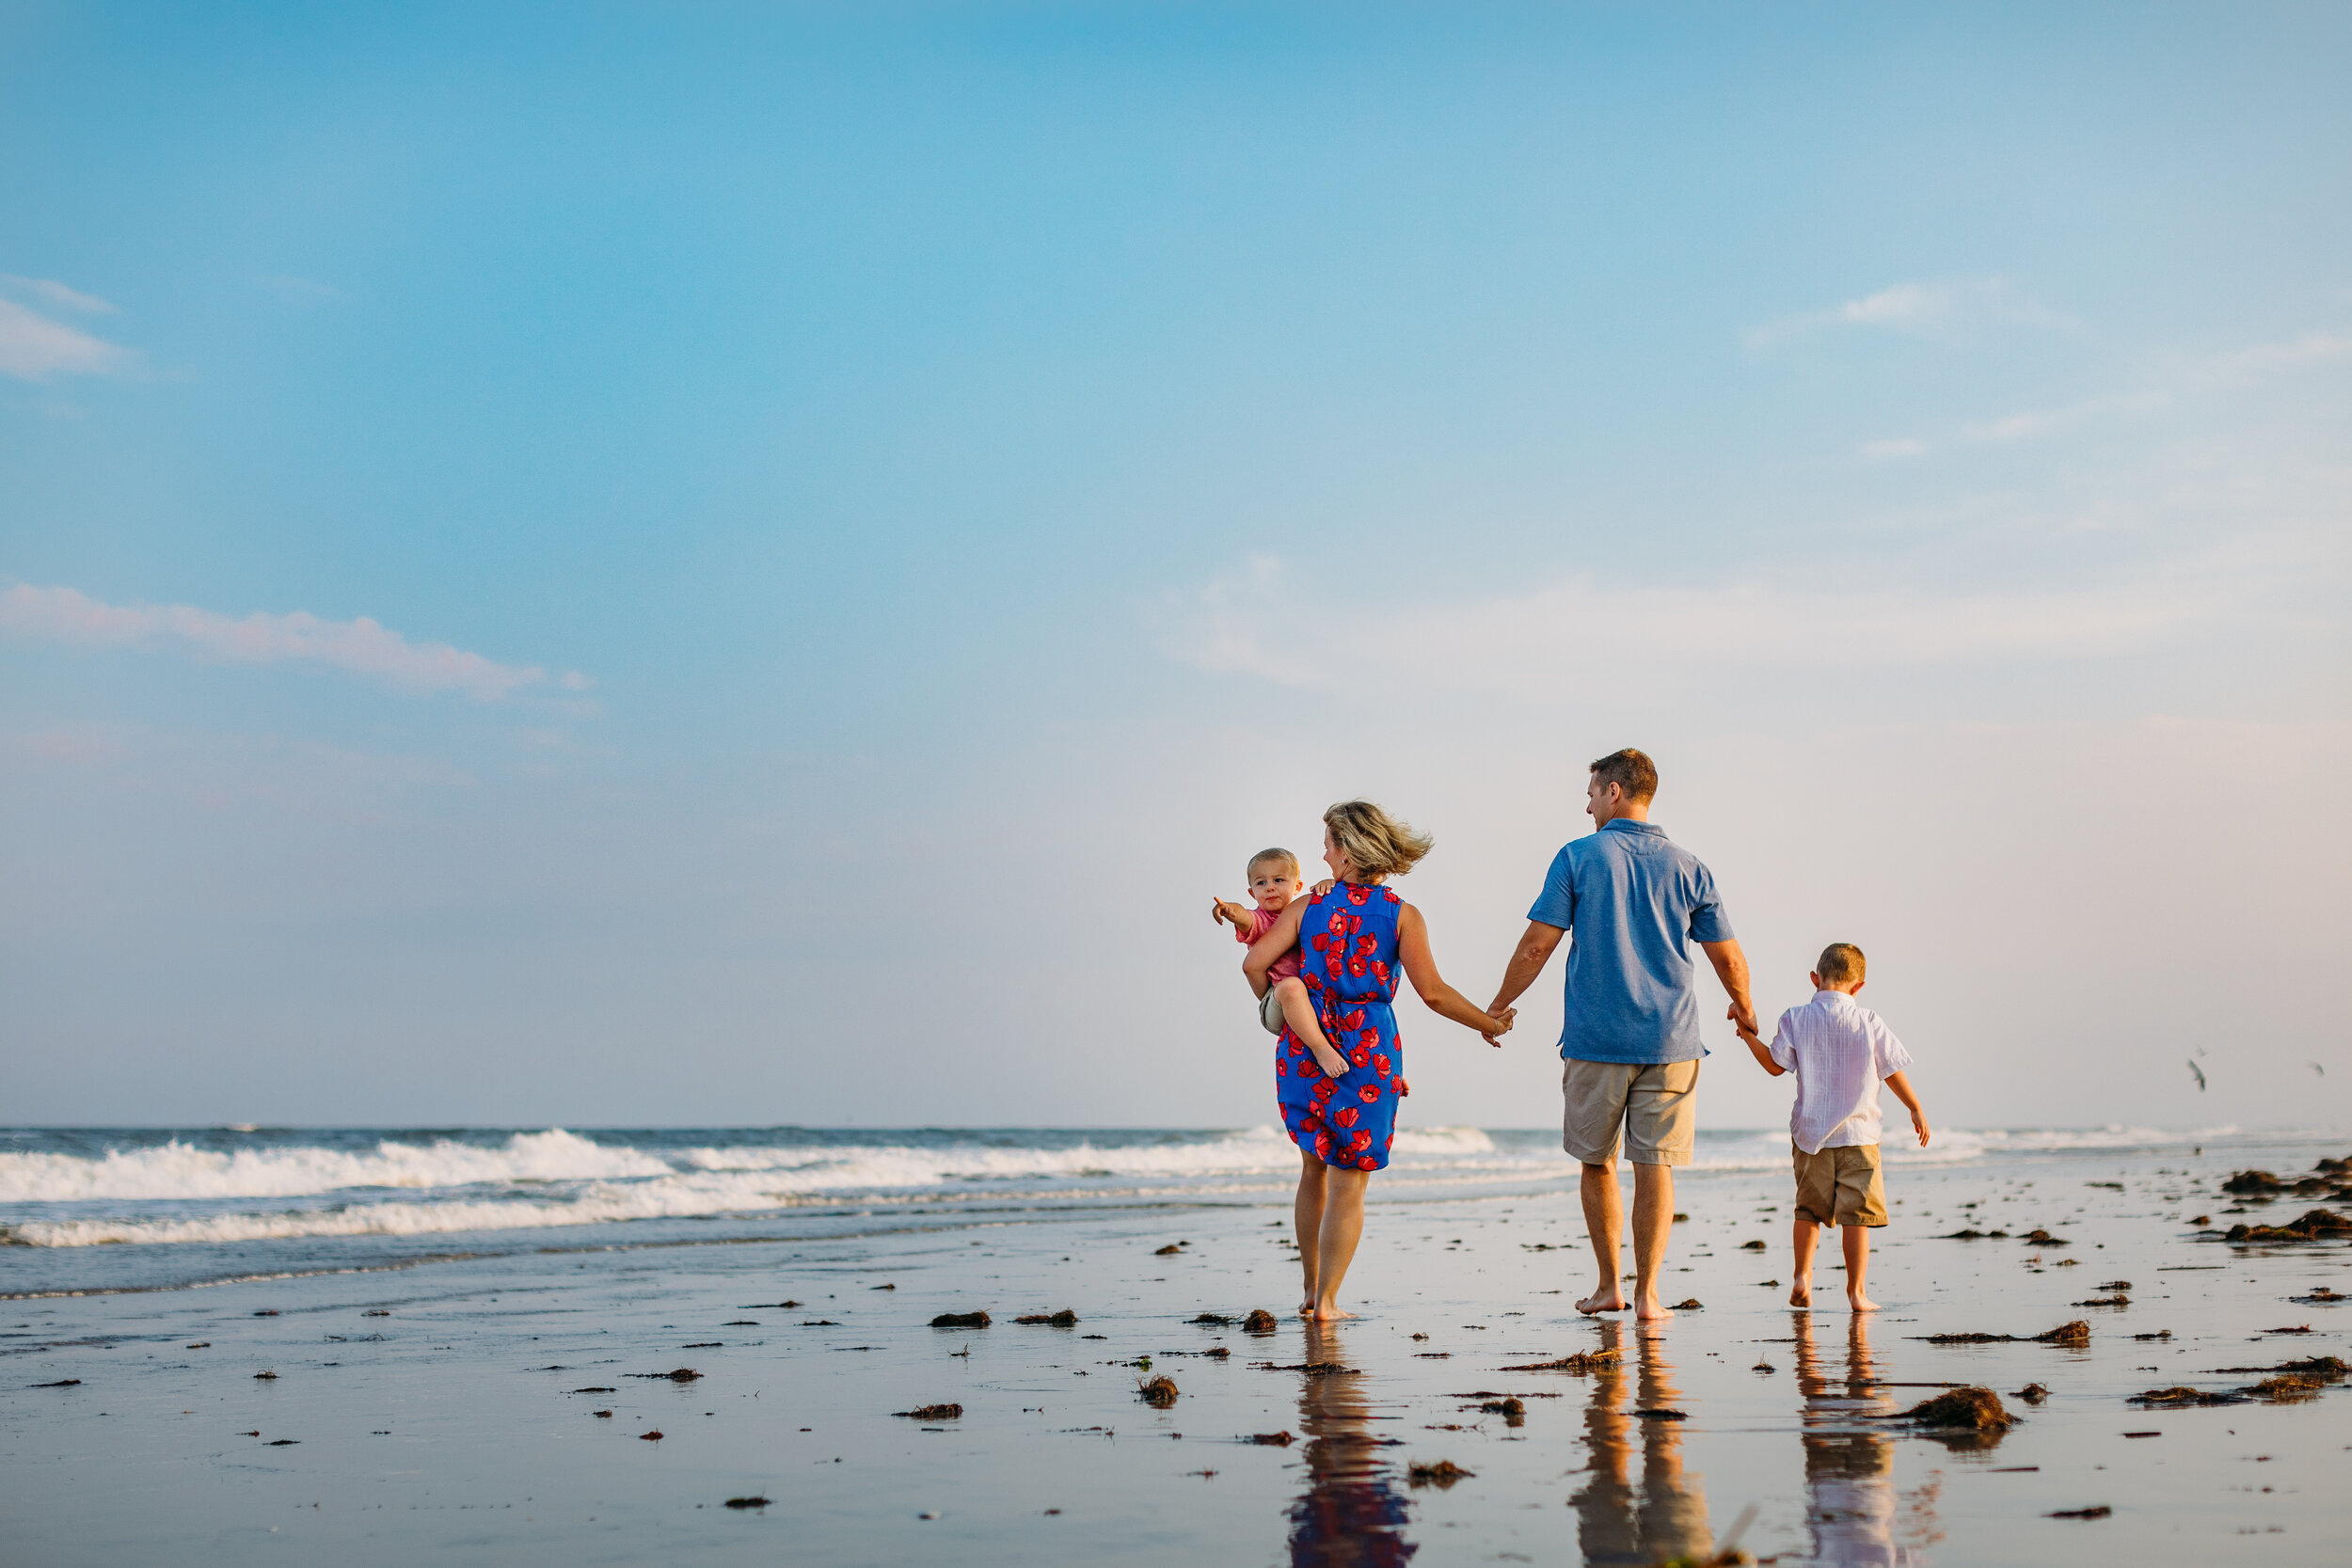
(1638, 904)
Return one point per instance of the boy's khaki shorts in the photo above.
(1270, 1012)
(1840, 1187)
(1656, 1105)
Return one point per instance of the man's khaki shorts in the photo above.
(1656, 1104)
(1840, 1187)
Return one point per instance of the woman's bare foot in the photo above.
(1801, 1293)
(1649, 1311)
(1329, 1314)
(1602, 1301)
(1861, 1303)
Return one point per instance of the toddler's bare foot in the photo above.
(1800, 1294)
(1602, 1301)
(1861, 1303)
(1332, 1062)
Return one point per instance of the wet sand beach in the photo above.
(504, 1408)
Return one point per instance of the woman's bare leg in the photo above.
(1343, 1228)
(1307, 1219)
(1299, 1011)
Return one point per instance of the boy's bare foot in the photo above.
(1861, 1304)
(1602, 1301)
(1800, 1294)
(1651, 1312)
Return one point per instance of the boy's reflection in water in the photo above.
(1849, 1470)
(1351, 1512)
(1665, 1516)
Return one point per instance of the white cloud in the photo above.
(1938, 310)
(1526, 640)
(358, 646)
(57, 293)
(297, 290)
(33, 347)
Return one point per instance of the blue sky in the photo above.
(865, 516)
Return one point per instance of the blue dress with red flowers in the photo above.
(1347, 945)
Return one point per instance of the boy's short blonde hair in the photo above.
(1378, 844)
(1272, 857)
(1841, 963)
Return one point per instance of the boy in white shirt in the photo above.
(1840, 1051)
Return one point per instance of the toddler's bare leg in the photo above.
(1805, 1234)
(1857, 1240)
(1307, 1219)
(1299, 1011)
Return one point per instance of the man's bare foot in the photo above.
(1800, 1294)
(1602, 1301)
(1861, 1304)
(1329, 1314)
(1651, 1312)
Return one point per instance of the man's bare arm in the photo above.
(1527, 961)
(1731, 968)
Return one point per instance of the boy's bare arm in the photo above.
(1762, 1053)
(1902, 1085)
(1222, 910)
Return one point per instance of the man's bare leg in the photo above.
(1299, 1011)
(1343, 1228)
(1804, 1235)
(1857, 1242)
(1653, 1220)
(1604, 1223)
(1307, 1220)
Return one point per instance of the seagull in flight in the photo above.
(2200, 1075)
(2316, 1068)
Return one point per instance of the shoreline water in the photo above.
(437, 1409)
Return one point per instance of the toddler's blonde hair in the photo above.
(1277, 857)
(1378, 844)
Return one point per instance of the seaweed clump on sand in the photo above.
(1260, 1321)
(1441, 1475)
(931, 1412)
(2118, 1299)
(2033, 1393)
(2288, 1387)
(1066, 1318)
(747, 1502)
(2315, 1224)
(2178, 1396)
(1972, 1234)
(2253, 1184)
(1962, 1409)
(960, 1319)
(1212, 1319)
(2075, 1333)
(1512, 1410)
(2322, 1297)
(1689, 1304)
(1159, 1393)
(1272, 1439)
(1583, 1361)
(2042, 1237)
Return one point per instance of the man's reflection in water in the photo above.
(1351, 1512)
(1849, 1469)
(1665, 1515)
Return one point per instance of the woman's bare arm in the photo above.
(1421, 967)
(1279, 939)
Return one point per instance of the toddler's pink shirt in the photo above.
(1262, 921)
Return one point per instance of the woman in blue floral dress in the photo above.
(1339, 1095)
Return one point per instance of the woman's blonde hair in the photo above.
(1377, 844)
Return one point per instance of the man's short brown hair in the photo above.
(1630, 771)
(1841, 963)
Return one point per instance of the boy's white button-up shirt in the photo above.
(1839, 1049)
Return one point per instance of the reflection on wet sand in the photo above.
(1352, 1512)
(1665, 1515)
(1849, 1467)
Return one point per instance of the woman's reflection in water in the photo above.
(1665, 1516)
(1351, 1512)
(1849, 1468)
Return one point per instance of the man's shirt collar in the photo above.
(1627, 824)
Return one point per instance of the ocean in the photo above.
(97, 1209)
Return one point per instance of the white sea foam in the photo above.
(179, 1192)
